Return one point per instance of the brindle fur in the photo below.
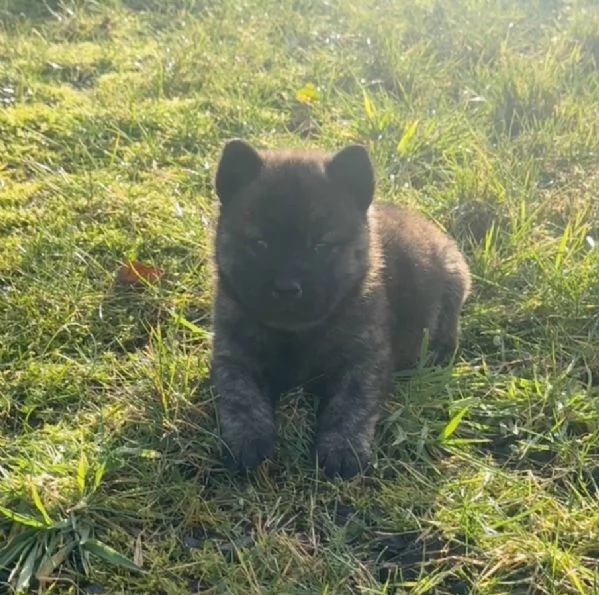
(372, 278)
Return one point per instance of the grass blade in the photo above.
(51, 563)
(453, 424)
(28, 569)
(562, 249)
(40, 505)
(16, 546)
(369, 106)
(82, 472)
(404, 143)
(99, 474)
(190, 326)
(109, 554)
(21, 518)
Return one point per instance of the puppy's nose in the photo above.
(287, 289)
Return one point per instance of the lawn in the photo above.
(482, 114)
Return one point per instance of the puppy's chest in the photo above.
(291, 361)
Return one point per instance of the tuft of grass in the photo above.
(483, 115)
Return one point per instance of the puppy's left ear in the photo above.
(352, 168)
(240, 164)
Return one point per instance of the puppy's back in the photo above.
(427, 282)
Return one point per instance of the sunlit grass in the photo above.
(483, 115)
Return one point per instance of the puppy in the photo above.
(319, 286)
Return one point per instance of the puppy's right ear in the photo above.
(239, 165)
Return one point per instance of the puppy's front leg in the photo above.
(348, 417)
(245, 411)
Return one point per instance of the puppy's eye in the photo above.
(258, 244)
(323, 247)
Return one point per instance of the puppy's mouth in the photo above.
(291, 317)
(282, 315)
(292, 326)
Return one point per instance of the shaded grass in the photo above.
(483, 115)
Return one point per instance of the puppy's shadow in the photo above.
(124, 320)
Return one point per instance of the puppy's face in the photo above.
(292, 237)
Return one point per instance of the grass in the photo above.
(484, 115)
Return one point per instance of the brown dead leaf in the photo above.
(135, 272)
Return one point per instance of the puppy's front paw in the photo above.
(247, 444)
(340, 456)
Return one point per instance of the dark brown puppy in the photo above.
(316, 285)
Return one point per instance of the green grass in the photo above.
(484, 115)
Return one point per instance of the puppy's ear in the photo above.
(352, 168)
(239, 165)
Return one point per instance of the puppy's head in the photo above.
(292, 237)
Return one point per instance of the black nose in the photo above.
(287, 289)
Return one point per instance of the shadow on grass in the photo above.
(126, 317)
(239, 517)
(35, 11)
